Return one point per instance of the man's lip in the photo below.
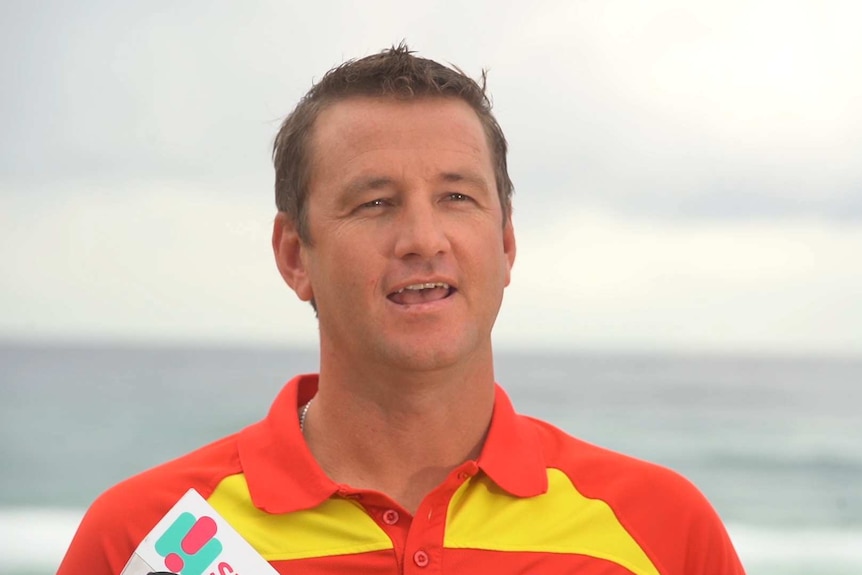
(406, 299)
(421, 282)
(426, 285)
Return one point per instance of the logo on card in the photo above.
(189, 545)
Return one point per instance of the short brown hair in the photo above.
(396, 73)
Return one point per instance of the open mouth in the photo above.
(421, 293)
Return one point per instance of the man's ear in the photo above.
(289, 256)
(509, 247)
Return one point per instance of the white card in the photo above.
(192, 539)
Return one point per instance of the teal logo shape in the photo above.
(189, 545)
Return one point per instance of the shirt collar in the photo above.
(512, 455)
(281, 473)
(283, 476)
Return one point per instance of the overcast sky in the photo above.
(688, 174)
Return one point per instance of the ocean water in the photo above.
(774, 443)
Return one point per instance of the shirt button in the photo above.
(390, 517)
(421, 559)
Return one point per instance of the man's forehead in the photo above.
(363, 112)
(371, 124)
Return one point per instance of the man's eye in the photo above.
(456, 197)
(378, 203)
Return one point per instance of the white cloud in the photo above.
(600, 280)
(157, 262)
(690, 107)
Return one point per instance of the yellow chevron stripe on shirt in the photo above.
(482, 516)
(336, 527)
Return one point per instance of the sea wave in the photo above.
(756, 545)
(34, 540)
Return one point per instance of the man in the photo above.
(402, 455)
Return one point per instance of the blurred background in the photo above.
(688, 211)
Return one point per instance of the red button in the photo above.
(421, 559)
(390, 517)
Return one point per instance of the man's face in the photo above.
(408, 255)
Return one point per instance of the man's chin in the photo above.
(429, 356)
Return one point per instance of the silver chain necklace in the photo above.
(303, 414)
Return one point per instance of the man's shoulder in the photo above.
(158, 488)
(602, 473)
(668, 516)
(121, 516)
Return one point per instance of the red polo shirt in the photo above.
(537, 501)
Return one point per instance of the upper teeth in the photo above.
(425, 286)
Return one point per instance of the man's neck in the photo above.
(400, 436)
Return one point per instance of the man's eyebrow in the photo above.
(470, 178)
(360, 185)
(371, 183)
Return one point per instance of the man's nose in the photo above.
(421, 231)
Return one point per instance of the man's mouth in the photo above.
(421, 293)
